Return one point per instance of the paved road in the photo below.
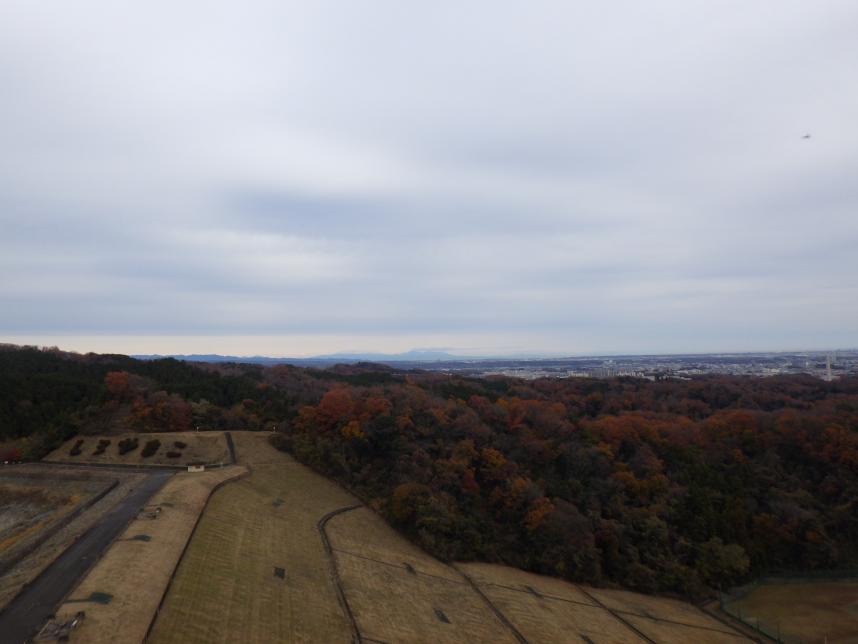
(26, 614)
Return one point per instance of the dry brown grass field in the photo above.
(208, 447)
(663, 608)
(659, 630)
(135, 571)
(362, 532)
(225, 589)
(806, 611)
(430, 602)
(545, 609)
(551, 610)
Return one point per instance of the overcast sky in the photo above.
(491, 177)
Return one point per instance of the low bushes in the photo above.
(127, 445)
(180, 445)
(150, 448)
(102, 445)
(76, 449)
(173, 454)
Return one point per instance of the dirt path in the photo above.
(25, 614)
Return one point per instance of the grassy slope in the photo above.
(225, 589)
(391, 603)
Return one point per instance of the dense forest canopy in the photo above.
(669, 486)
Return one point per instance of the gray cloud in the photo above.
(552, 177)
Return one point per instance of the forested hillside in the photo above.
(671, 486)
(46, 396)
(657, 486)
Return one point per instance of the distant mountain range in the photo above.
(415, 355)
(439, 358)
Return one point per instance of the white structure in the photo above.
(196, 467)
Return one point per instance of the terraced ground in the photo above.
(285, 555)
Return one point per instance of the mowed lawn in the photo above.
(226, 590)
(810, 612)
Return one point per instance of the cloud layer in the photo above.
(546, 177)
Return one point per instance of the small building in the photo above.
(196, 467)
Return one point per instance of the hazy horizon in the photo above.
(239, 346)
(293, 179)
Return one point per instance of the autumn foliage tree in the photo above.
(118, 384)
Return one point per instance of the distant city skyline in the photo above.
(287, 178)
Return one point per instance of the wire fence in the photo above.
(730, 602)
